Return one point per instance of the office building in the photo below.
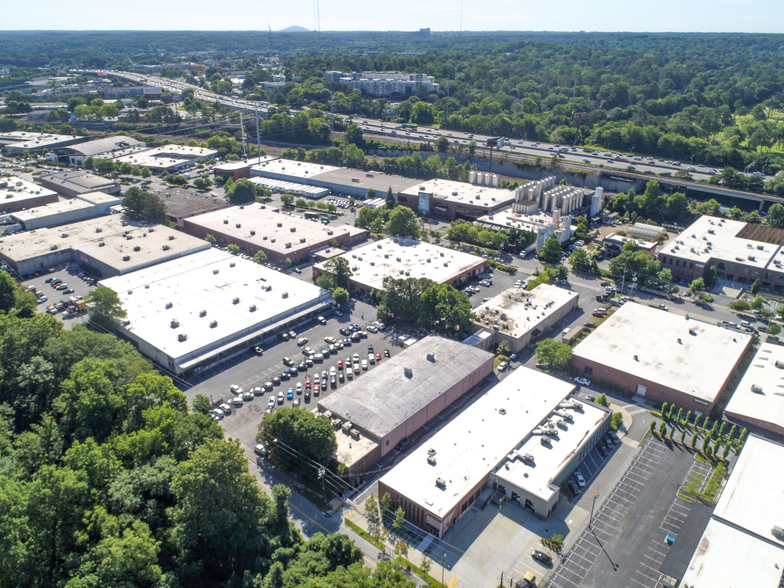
(17, 194)
(73, 183)
(68, 211)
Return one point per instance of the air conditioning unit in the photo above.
(213, 324)
(182, 337)
(235, 301)
(440, 483)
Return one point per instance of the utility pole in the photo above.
(332, 112)
(447, 101)
(258, 134)
(590, 521)
(443, 565)
(321, 473)
(242, 130)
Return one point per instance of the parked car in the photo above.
(582, 381)
(578, 477)
(258, 350)
(542, 557)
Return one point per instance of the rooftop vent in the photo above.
(252, 233)
(235, 300)
(237, 226)
(98, 229)
(252, 308)
(293, 229)
(126, 257)
(169, 305)
(440, 482)
(756, 388)
(165, 247)
(285, 295)
(137, 248)
(202, 313)
(213, 324)
(101, 244)
(225, 221)
(232, 264)
(182, 337)
(174, 323)
(431, 459)
(215, 271)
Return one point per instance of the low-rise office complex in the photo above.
(406, 258)
(426, 378)
(447, 199)
(168, 158)
(191, 313)
(758, 400)
(258, 228)
(662, 357)
(73, 210)
(384, 83)
(466, 461)
(741, 252)
(519, 316)
(743, 543)
(18, 194)
(105, 148)
(74, 183)
(109, 245)
(17, 142)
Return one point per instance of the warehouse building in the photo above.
(259, 228)
(236, 170)
(450, 200)
(73, 210)
(520, 316)
(403, 258)
(105, 148)
(426, 378)
(109, 245)
(17, 142)
(168, 158)
(743, 543)
(758, 401)
(466, 461)
(662, 357)
(197, 311)
(741, 252)
(182, 203)
(73, 183)
(18, 194)
(613, 244)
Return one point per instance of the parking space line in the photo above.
(575, 554)
(654, 559)
(657, 551)
(644, 575)
(640, 583)
(574, 563)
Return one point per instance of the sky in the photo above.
(747, 16)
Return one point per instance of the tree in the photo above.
(340, 270)
(774, 329)
(445, 308)
(561, 272)
(503, 349)
(665, 410)
(144, 206)
(390, 202)
(697, 287)
(653, 427)
(146, 173)
(233, 248)
(371, 508)
(775, 216)
(755, 286)
(602, 400)
(551, 250)
(202, 183)
(425, 564)
(663, 430)
(201, 404)
(244, 191)
(386, 502)
(211, 240)
(326, 281)
(341, 296)
(403, 222)
(579, 260)
(757, 303)
(287, 199)
(106, 306)
(377, 226)
(298, 431)
(442, 144)
(400, 519)
(554, 354)
(12, 296)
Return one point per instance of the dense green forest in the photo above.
(107, 479)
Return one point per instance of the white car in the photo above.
(372, 328)
(582, 381)
(271, 401)
(234, 389)
(299, 387)
(578, 477)
(364, 364)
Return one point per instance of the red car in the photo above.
(340, 364)
(599, 313)
(307, 382)
(378, 356)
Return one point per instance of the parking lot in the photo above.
(70, 277)
(625, 545)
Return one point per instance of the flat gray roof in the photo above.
(691, 356)
(181, 202)
(380, 182)
(760, 394)
(272, 229)
(24, 140)
(76, 181)
(51, 210)
(462, 193)
(106, 145)
(380, 403)
(15, 190)
(166, 156)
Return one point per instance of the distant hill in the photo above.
(294, 30)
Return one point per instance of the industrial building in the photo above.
(450, 200)
(743, 543)
(520, 316)
(758, 401)
(403, 258)
(74, 183)
(662, 357)
(293, 188)
(544, 208)
(741, 252)
(258, 228)
(168, 158)
(613, 244)
(236, 170)
(18, 194)
(17, 142)
(495, 446)
(109, 245)
(105, 148)
(384, 83)
(191, 313)
(182, 203)
(73, 210)
(374, 413)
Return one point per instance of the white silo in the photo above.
(495, 180)
(472, 176)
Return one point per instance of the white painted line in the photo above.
(664, 553)
(640, 583)
(656, 560)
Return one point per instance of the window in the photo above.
(722, 265)
(691, 265)
(677, 262)
(402, 198)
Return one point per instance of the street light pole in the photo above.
(443, 565)
(590, 521)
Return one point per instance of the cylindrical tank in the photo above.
(556, 218)
(472, 176)
(495, 180)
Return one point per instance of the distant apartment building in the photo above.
(384, 83)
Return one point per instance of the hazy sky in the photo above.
(762, 16)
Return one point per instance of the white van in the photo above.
(565, 335)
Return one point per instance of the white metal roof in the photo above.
(760, 394)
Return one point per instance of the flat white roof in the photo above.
(709, 237)
(21, 140)
(520, 311)
(752, 498)
(167, 156)
(207, 281)
(291, 168)
(691, 356)
(14, 190)
(407, 258)
(729, 558)
(550, 460)
(106, 145)
(234, 165)
(760, 394)
(100, 198)
(506, 219)
(621, 240)
(264, 222)
(462, 193)
(474, 443)
(53, 209)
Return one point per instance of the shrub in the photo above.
(602, 400)
(616, 421)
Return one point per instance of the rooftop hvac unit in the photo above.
(215, 271)
(235, 300)
(98, 229)
(293, 229)
(169, 305)
(252, 233)
(440, 483)
(126, 257)
(137, 248)
(252, 308)
(237, 226)
(272, 240)
(225, 221)
(174, 323)
(756, 388)
(285, 295)
(431, 459)
(101, 244)
(330, 232)
(354, 433)
(146, 286)
(182, 337)
(264, 238)
(171, 237)
(288, 245)
(165, 247)
(346, 427)
(302, 240)
(779, 363)
(213, 324)
(202, 313)
(280, 224)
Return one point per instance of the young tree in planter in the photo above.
(706, 444)
(672, 412)
(726, 452)
(694, 440)
(680, 415)
(663, 430)
(664, 411)
(371, 508)
(688, 419)
(722, 429)
(672, 431)
(715, 430)
(732, 434)
(683, 436)
(653, 427)
(709, 452)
